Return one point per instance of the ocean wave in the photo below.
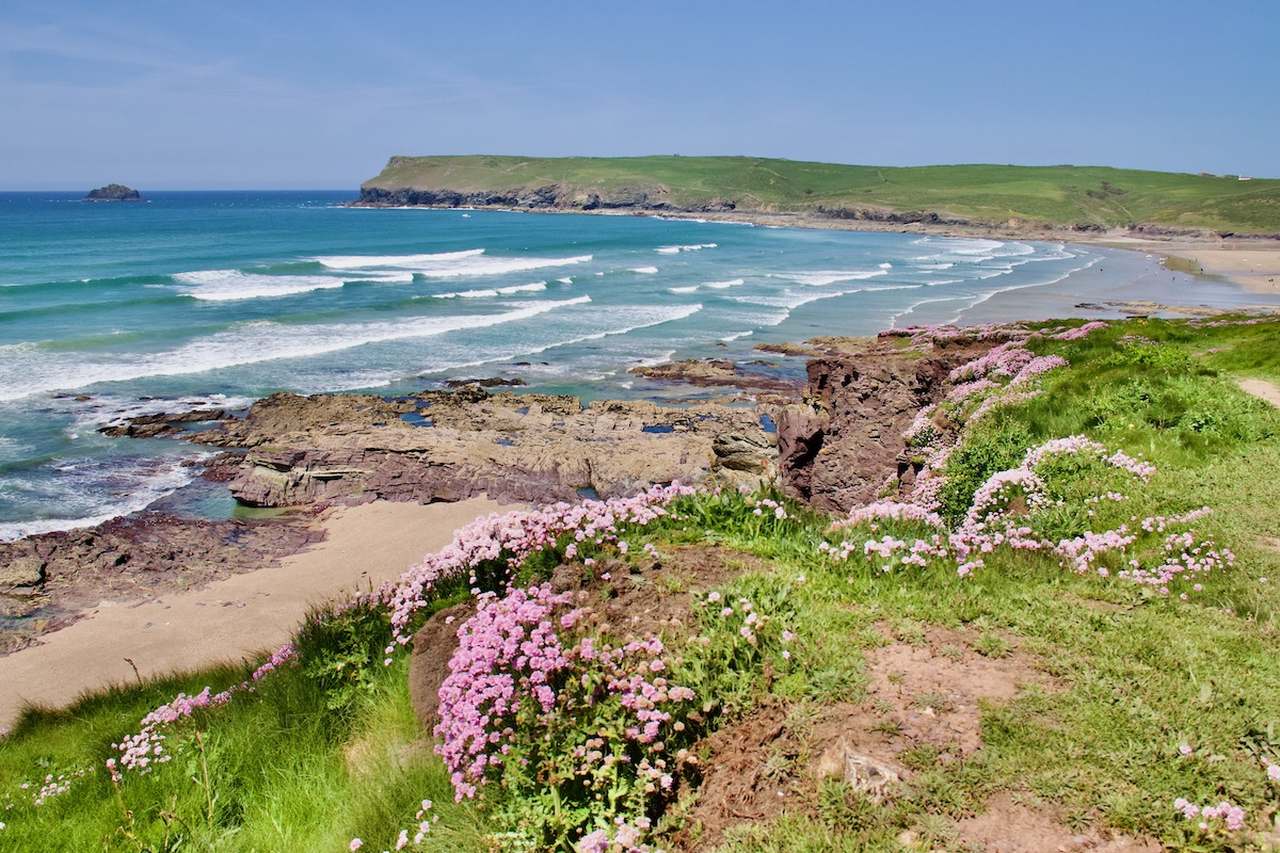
(736, 335)
(645, 270)
(636, 318)
(469, 262)
(568, 279)
(822, 278)
(30, 369)
(231, 285)
(675, 250)
(692, 288)
(721, 285)
(492, 292)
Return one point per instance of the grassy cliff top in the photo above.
(1062, 195)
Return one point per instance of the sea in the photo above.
(109, 310)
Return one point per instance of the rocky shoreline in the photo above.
(554, 198)
(300, 455)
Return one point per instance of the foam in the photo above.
(467, 263)
(145, 485)
(721, 285)
(736, 335)
(822, 278)
(693, 288)
(492, 292)
(230, 285)
(30, 369)
(645, 270)
(675, 250)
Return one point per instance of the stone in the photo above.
(872, 777)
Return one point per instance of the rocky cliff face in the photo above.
(843, 446)
(549, 197)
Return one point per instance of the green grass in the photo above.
(1059, 195)
(323, 753)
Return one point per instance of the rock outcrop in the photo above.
(114, 192)
(450, 445)
(843, 446)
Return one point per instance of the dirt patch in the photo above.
(1011, 827)
(1262, 389)
(932, 690)
(642, 597)
(923, 698)
(747, 778)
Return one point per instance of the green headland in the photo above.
(1079, 197)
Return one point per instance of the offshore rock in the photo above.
(114, 192)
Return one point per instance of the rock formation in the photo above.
(114, 192)
(843, 446)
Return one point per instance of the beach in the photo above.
(234, 618)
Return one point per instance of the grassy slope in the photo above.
(1061, 195)
(1139, 674)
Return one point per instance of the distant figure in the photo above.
(114, 192)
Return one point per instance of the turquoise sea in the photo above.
(109, 310)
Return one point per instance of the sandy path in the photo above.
(1262, 389)
(234, 617)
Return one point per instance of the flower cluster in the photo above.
(1184, 557)
(514, 536)
(1079, 444)
(54, 785)
(1038, 366)
(1228, 815)
(624, 838)
(890, 511)
(1006, 359)
(1080, 331)
(507, 650)
(769, 506)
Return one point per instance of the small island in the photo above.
(114, 192)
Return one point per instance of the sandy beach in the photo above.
(232, 618)
(1256, 268)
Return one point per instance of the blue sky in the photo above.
(165, 95)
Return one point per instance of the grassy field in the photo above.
(1060, 195)
(1137, 699)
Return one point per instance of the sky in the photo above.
(277, 95)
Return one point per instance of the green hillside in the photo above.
(1061, 195)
